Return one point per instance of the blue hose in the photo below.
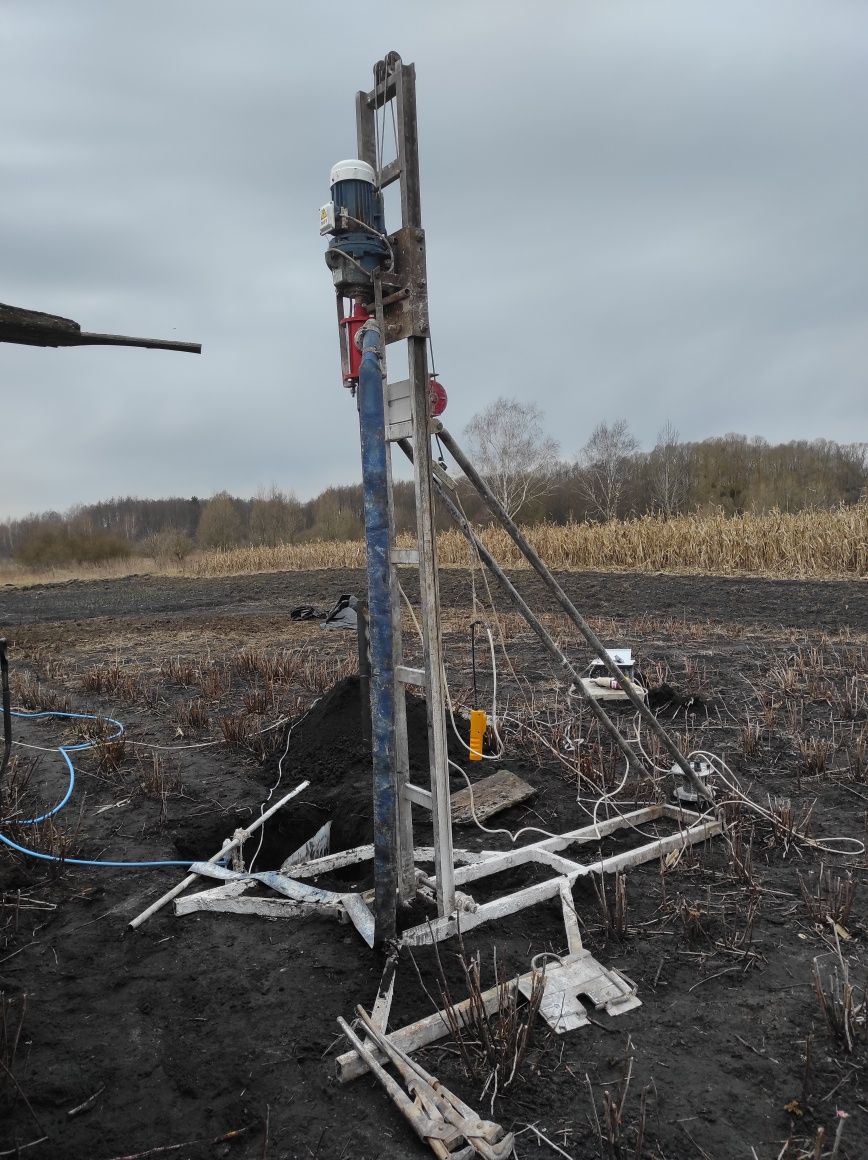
(84, 861)
(64, 751)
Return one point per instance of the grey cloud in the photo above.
(668, 198)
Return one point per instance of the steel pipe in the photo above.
(372, 426)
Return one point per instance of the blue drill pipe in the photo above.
(372, 424)
(7, 707)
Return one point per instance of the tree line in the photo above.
(610, 477)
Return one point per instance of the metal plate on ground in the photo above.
(574, 978)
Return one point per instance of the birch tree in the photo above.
(669, 471)
(607, 459)
(512, 452)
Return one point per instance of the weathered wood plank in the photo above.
(489, 796)
(260, 907)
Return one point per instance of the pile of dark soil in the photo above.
(328, 748)
(664, 700)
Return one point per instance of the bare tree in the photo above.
(275, 517)
(220, 523)
(608, 459)
(668, 466)
(512, 452)
(170, 544)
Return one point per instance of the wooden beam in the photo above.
(36, 328)
(418, 796)
(259, 907)
(489, 796)
(571, 918)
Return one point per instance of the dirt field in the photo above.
(171, 1039)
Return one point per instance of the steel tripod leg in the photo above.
(530, 554)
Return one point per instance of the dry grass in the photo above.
(21, 577)
(814, 544)
(810, 543)
(492, 1047)
(844, 1006)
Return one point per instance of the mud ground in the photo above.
(215, 1035)
(830, 606)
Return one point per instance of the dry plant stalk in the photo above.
(828, 898)
(257, 700)
(807, 543)
(739, 837)
(694, 919)
(179, 671)
(110, 755)
(31, 693)
(15, 785)
(215, 681)
(492, 1047)
(786, 828)
(47, 836)
(750, 736)
(618, 1138)
(738, 927)
(156, 779)
(113, 678)
(234, 728)
(844, 1006)
(193, 714)
(814, 754)
(10, 1034)
(614, 916)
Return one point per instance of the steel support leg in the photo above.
(530, 554)
(547, 640)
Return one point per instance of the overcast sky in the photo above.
(637, 209)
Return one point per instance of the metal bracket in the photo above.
(399, 410)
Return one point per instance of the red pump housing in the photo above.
(353, 323)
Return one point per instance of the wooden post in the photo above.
(429, 589)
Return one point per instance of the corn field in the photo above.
(817, 544)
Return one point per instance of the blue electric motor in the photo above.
(354, 218)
